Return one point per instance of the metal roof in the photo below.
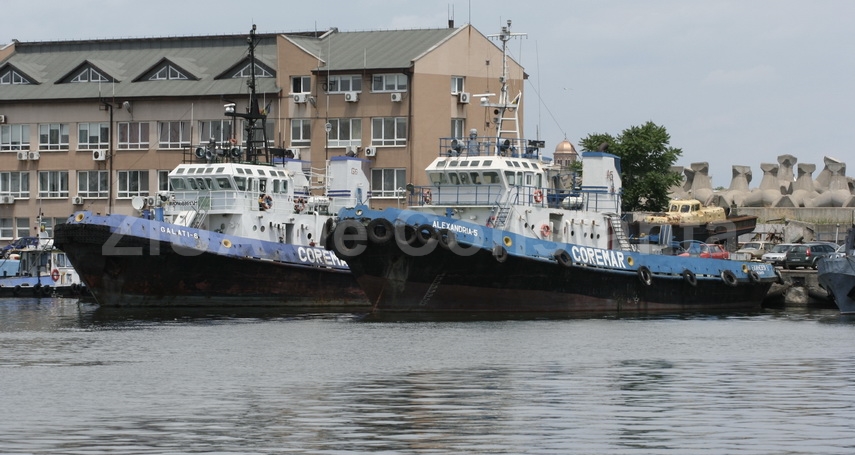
(384, 49)
(125, 60)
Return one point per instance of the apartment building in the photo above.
(92, 124)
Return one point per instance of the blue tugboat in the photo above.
(496, 232)
(239, 227)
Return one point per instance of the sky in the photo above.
(736, 82)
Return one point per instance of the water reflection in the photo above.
(77, 378)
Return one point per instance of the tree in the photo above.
(646, 160)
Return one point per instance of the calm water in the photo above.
(75, 379)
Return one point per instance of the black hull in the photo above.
(178, 277)
(443, 281)
(46, 290)
(837, 277)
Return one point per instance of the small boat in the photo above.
(39, 270)
(836, 274)
(494, 233)
(689, 219)
(239, 227)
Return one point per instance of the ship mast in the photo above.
(505, 111)
(255, 118)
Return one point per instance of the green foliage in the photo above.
(646, 160)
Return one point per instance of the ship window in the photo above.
(209, 183)
(538, 180)
(511, 177)
(437, 178)
(476, 178)
(192, 184)
(224, 183)
(453, 177)
(696, 207)
(673, 208)
(441, 163)
(528, 179)
(488, 162)
(280, 186)
(239, 170)
(516, 164)
(202, 184)
(464, 178)
(491, 177)
(220, 170)
(177, 184)
(684, 208)
(534, 165)
(240, 183)
(474, 163)
(180, 170)
(453, 164)
(525, 165)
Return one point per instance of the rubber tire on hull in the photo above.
(380, 231)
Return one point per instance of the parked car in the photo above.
(756, 249)
(705, 250)
(778, 254)
(807, 254)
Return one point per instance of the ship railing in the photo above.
(490, 146)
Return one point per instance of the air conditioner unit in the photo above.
(301, 98)
(370, 151)
(396, 97)
(77, 200)
(351, 97)
(7, 199)
(463, 98)
(99, 155)
(2, 119)
(23, 156)
(34, 156)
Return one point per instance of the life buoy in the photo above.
(427, 197)
(690, 277)
(728, 277)
(233, 141)
(265, 202)
(54, 275)
(644, 275)
(545, 230)
(538, 196)
(490, 221)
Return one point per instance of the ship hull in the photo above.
(398, 278)
(837, 277)
(128, 261)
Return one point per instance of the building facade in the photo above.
(93, 124)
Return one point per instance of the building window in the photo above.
(22, 227)
(345, 132)
(53, 184)
(168, 73)
(89, 75)
(53, 136)
(344, 83)
(458, 127)
(93, 184)
(301, 132)
(246, 71)
(133, 135)
(91, 136)
(14, 137)
(162, 180)
(7, 229)
(301, 84)
(457, 84)
(15, 183)
(174, 135)
(219, 131)
(49, 223)
(12, 77)
(388, 182)
(132, 183)
(389, 83)
(389, 131)
(268, 132)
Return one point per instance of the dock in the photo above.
(800, 289)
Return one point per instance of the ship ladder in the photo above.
(620, 234)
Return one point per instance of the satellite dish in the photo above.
(138, 202)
